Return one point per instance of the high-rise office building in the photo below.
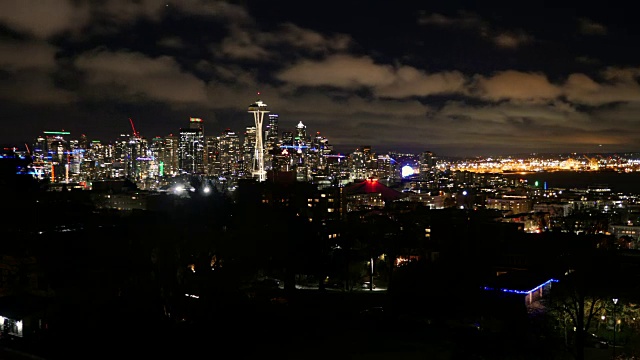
(121, 157)
(51, 155)
(301, 133)
(212, 155)
(272, 146)
(136, 165)
(191, 148)
(168, 164)
(156, 167)
(272, 130)
(230, 154)
(427, 163)
(249, 150)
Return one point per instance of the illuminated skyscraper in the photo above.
(271, 144)
(50, 155)
(248, 150)
(272, 129)
(156, 167)
(212, 155)
(301, 132)
(191, 148)
(427, 164)
(259, 109)
(169, 157)
(229, 145)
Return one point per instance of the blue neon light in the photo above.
(522, 291)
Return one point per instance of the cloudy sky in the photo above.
(452, 79)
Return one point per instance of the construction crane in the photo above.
(593, 162)
(135, 133)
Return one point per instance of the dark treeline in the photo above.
(125, 277)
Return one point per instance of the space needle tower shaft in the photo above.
(258, 109)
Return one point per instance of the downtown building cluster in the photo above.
(223, 157)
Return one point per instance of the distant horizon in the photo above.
(342, 149)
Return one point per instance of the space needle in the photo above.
(258, 109)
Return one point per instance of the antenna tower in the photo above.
(258, 109)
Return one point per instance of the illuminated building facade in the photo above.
(191, 148)
(52, 153)
(360, 164)
(510, 204)
(230, 155)
(212, 155)
(169, 156)
(248, 151)
(271, 142)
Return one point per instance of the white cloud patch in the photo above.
(412, 82)
(27, 55)
(515, 85)
(30, 67)
(138, 75)
(348, 72)
(340, 71)
(43, 18)
(621, 86)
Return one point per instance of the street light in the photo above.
(615, 301)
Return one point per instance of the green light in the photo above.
(161, 168)
(95, 141)
(536, 183)
(57, 132)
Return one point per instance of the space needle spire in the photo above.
(258, 109)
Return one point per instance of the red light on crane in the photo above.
(135, 133)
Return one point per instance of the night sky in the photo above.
(439, 76)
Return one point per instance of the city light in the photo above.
(523, 291)
(407, 171)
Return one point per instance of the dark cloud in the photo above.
(589, 27)
(455, 80)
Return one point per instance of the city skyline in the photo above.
(456, 80)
